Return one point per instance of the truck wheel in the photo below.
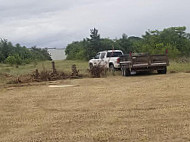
(111, 67)
(90, 66)
(122, 71)
(164, 71)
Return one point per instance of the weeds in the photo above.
(97, 71)
(46, 75)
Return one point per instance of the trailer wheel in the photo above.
(164, 71)
(122, 71)
(127, 72)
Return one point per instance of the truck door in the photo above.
(96, 60)
(107, 59)
(102, 59)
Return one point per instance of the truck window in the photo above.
(97, 56)
(114, 54)
(102, 55)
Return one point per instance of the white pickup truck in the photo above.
(109, 59)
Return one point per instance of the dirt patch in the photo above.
(173, 72)
(62, 86)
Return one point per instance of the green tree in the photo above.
(77, 50)
(40, 54)
(174, 38)
(94, 43)
(5, 49)
(125, 44)
(21, 54)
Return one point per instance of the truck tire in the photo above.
(90, 66)
(164, 71)
(122, 71)
(111, 67)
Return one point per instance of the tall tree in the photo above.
(127, 44)
(94, 43)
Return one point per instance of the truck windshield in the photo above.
(114, 54)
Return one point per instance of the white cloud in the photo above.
(48, 23)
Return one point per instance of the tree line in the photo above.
(17, 54)
(175, 39)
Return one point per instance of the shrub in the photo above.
(10, 60)
(97, 71)
(13, 60)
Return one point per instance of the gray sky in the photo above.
(55, 23)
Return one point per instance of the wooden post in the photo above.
(74, 70)
(37, 74)
(53, 67)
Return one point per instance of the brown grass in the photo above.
(139, 108)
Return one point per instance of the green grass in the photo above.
(64, 65)
(179, 67)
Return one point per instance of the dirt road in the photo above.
(139, 108)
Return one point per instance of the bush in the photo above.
(97, 71)
(160, 48)
(13, 60)
(10, 60)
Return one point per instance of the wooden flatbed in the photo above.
(143, 62)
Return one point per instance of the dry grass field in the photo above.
(138, 108)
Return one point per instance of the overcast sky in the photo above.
(55, 23)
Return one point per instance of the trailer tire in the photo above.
(127, 72)
(122, 71)
(164, 71)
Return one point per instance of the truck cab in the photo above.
(108, 59)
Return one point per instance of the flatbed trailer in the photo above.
(143, 62)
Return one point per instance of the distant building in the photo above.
(57, 53)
